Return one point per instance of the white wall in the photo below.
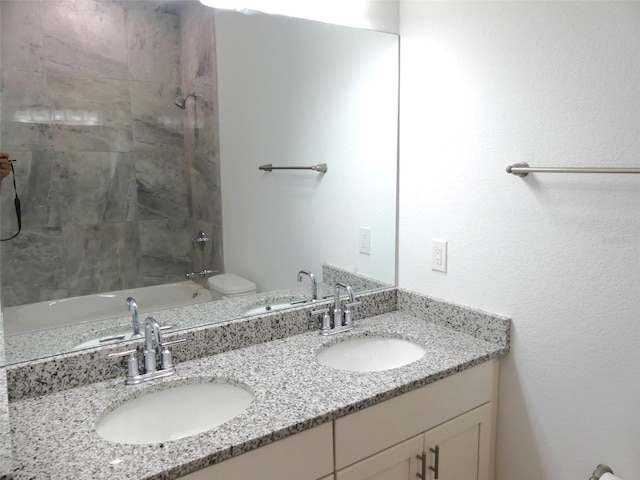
(298, 93)
(381, 15)
(487, 84)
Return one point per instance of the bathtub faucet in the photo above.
(201, 273)
(132, 307)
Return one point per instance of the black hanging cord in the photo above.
(16, 203)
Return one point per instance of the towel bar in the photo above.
(523, 169)
(321, 168)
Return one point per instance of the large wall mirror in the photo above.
(138, 128)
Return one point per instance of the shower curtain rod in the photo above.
(523, 169)
(321, 168)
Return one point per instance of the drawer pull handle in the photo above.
(436, 467)
(422, 474)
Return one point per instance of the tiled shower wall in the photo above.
(115, 180)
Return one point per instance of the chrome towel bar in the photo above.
(321, 168)
(523, 169)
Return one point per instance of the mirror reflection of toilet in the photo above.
(230, 285)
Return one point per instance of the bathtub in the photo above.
(72, 311)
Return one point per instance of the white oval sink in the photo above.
(174, 413)
(370, 354)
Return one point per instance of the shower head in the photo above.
(182, 101)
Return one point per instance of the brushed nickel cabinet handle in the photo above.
(423, 468)
(435, 469)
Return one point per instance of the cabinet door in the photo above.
(395, 463)
(463, 447)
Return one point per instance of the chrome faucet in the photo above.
(152, 341)
(314, 285)
(132, 307)
(336, 319)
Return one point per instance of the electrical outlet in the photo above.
(439, 255)
(365, 240)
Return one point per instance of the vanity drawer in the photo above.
(388, 423)
(304, 456)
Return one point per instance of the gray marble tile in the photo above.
(101, 258)
(26, 281)
(100, 103)
(21, 27)
(164, 247)
(109, 97)
(100, 138)
(40, 112)
(25, 136)
(157, 122)
(25, 111)
(86, 38)
(95, 188)
(153, 40)
(36, 178)
(24, 96)
(206, 197)
(121, 198)
(198, 37)
(162, 185)
(2, 348)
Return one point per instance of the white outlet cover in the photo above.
(365, 240)
(439, 255)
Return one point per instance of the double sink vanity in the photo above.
(410, 389)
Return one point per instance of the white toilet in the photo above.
(230, 285)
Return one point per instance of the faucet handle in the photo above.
(349, 306)
(166, 358)
(132, 361)
(326, 319)
(173, 342)
(348, 314)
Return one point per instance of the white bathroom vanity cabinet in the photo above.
(454, 416)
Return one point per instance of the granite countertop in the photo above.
(5, 437)
(53, 436)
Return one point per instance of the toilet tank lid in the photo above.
(230, 283)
